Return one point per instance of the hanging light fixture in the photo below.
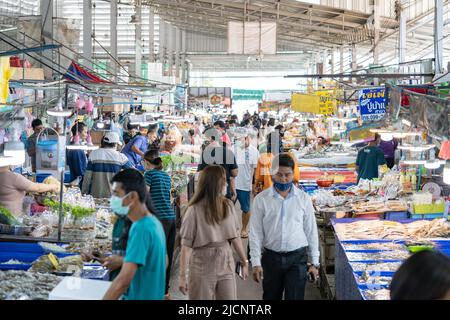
(434, 164)
(447, 172)
(15, 150)
(58, 110)
(421, 148)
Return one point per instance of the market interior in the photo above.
(223, 150)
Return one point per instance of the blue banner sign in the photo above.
(372, 104)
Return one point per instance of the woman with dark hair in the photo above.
(424, 276)
(209, 226)
(160, 186)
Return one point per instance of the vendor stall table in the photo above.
(348, 287)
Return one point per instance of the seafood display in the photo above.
(13, 261)
(23, 285)
(383, 294)
(49, 263)
(374, 280)
(380, 266)
(374, 246)
(99, 246)
(51, 247)
(382, 255)
(382, 229)
(371, 230)
(429, 229)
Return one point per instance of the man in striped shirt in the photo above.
(103, 164)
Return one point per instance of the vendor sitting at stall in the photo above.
(368, 160)
(13, 187)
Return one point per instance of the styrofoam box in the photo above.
(72, 288)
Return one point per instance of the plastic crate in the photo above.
(396, 215)
(429, 208)
(427, 216)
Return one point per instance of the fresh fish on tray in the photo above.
(23, 285)
(374, 246)
(383, 294)
(379, 266)
(381, 255)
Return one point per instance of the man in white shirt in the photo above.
(282, 228)
(247, 159)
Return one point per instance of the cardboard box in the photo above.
(27, 74)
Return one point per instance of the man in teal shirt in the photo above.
(142, 276)
(368, 160)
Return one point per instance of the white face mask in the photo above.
(225, 190)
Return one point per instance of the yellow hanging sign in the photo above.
(327, 103)
(305, 103)
(5, 74)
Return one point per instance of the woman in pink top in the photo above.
(13, 188)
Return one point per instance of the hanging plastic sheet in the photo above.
(431, 114)
(394, 105)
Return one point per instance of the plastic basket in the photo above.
(429, 208)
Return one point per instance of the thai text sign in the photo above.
(372, 104)
(327, 103)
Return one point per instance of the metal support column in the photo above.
(332, 60)
(113, 38)
(47, 33)
(402, 36)
(162, 44)
(354, 58)
(184, 67)
(438, 36)
(376, 23)
(138, 34)
(169, 41)
(151, 38)
(341, 59)
(87, 31)
(177, 51)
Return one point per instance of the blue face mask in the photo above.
(282, 186)
(117, 207)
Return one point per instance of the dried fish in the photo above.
(375, 280)
(374, 246)
(23, 285)
(381, 255)
(383, 294)
(13, 261)
(51, 247)
(380, 266)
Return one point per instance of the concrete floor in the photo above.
(247, 290)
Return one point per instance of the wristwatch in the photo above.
(317, 266)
